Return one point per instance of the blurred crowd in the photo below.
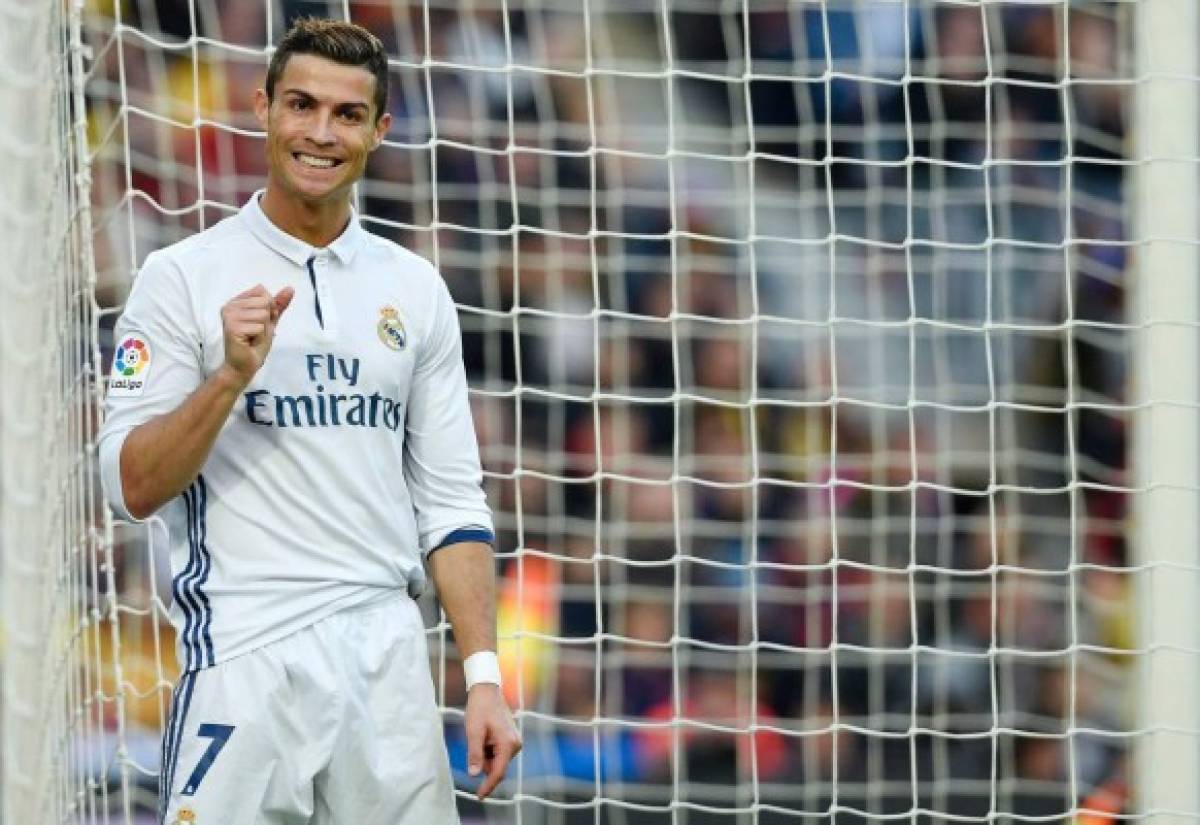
(795, 333)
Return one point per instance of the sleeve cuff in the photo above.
(110, 474)
(462, 534)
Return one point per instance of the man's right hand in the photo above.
(249, 321)
(162, 456)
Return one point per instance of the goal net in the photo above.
(834, 366)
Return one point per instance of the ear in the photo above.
(262, 107)
(381, 129)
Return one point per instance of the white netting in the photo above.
(799, 350)
(63, 723)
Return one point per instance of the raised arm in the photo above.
(162, 456)
(154, 444)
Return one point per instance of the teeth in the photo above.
(320, 163)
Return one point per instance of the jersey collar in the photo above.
(295, 250)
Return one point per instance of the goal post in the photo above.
(1166, 379)
(63, 744)
(34, 223)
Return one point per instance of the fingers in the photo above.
(257, 305)
(247, 308)
(499, 746)
(492, 738)
(247, 314)
(254, 291)
(497, 764)
(281, 301)
(475, 734)
(259, 298)
(248, 332)
(248, 320)
(246, 323)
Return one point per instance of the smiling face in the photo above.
(321, 126)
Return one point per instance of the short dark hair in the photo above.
(341, 42)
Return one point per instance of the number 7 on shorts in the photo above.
(219, 734)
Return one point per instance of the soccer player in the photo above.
(288, 394)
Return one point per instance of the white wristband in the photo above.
(481, 667)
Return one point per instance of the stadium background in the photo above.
(801, 390)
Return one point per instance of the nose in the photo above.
(321, 134)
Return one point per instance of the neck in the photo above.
(317, 223)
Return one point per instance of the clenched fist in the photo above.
(249, 321)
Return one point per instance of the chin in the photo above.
(315, 193)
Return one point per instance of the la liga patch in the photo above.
(130, 367)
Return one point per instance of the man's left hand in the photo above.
(492, 738)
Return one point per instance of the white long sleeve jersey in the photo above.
(349, 456)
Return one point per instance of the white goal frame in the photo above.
(1167, 381)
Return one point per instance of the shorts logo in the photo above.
(186, 816)
(131, 367)
(391, 329)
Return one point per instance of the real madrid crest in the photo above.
(391, 328)
(186, 816)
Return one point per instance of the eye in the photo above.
(352, 115)
(298, 104)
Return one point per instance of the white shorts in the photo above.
(336, 723)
